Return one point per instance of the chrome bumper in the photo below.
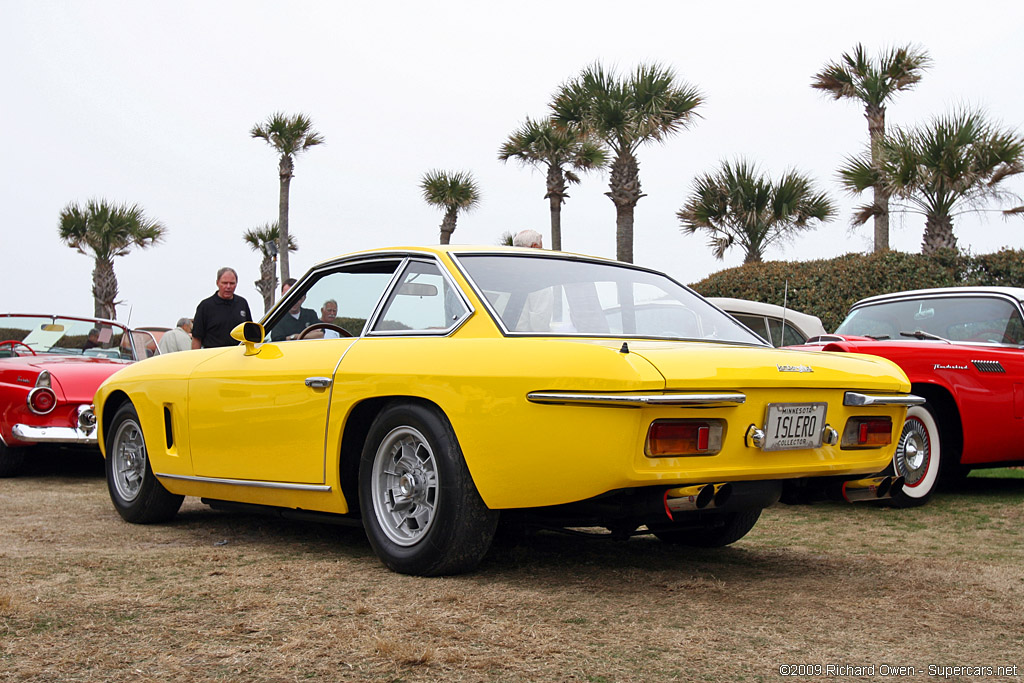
(55, 434)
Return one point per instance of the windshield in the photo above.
(68, 336)
(537, 295)
(955, 318)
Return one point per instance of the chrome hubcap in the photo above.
(405, 486)
(128, 460)
(913, 452)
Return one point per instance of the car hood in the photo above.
(74, 377)
(729, 366)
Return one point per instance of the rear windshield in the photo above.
(536, 295)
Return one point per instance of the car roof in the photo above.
(804, 321)
(1013, 292)
(456, 249)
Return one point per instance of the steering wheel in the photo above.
(324, 326)
(14, 342)
(992, 335)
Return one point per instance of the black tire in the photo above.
(719, 531)
(12, 460)
(420, 507)
(136, 493)
(918, 457)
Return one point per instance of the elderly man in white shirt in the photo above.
(536, 313)
(178, 339)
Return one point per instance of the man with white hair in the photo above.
(536, 312)
(178, 339)
(530, 239)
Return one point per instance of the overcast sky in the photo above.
(152, 103)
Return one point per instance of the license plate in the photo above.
(792, 426)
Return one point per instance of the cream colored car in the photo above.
(781, 326)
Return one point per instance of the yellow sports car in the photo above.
(457, 384)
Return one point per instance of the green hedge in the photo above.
(827, 288)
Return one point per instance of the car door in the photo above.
(263, 417)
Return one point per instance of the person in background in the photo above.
(328, 314)
(178, 339)
(528, 238)
(536, 313)
(93, 340)
(220, 313)
(296, 320)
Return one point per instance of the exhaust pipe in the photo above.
(873, 488)
(696, 497)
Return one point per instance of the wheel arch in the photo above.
(111, 405)
(353, 437)
(947, 415)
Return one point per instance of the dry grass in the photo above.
(219, 596)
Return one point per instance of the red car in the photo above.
(963, 350)
(50, 367)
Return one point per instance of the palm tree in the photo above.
(874, 83)
(106, 230)
(542, 144)
(648, 105)
(739, 206)
(453, 191)
(265, 239)
(290, 136)
(953, 165)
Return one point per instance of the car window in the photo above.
(424, 299)
(548, 295)
(784, 335)
(956, 318)
(757, 323)
(355, 289)
(69, 336)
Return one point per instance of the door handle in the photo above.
(318, 382)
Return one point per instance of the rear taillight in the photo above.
(867, 432)
(667, 438)
(42, 400)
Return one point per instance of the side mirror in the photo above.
(250, 334)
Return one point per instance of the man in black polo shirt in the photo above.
(217, 315)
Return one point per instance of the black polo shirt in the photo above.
(216, 317)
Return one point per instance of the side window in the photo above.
(345, 297)
(423, 299)
(756, 323)
(792, 336)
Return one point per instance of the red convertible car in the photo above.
(50, 367)
(963, 350)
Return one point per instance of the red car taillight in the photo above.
(667, 438)
(42, 400)
(867, 432)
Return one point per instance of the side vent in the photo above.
(168, 432)
(988, 366)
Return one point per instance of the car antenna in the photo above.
(785, 300)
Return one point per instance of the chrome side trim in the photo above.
(24, 432)
(852, 398)
(248, 482)
(636, 400)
